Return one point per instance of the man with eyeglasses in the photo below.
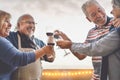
(24, 40)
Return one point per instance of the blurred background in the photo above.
(65, 15)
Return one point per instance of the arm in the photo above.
(12, 56)
(65, 37)
(46, 57)
(102, 47)
(79, 56)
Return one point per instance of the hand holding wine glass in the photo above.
(50, 40)
(58, 35)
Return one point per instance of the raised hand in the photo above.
(64, 44)
(60, 34)
(48, 49)
(116, 22)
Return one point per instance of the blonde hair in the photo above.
(3, 15)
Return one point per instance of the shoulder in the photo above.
(2, 39)
(4, 42)
(92, 29)
(12, 34)
(12, 37)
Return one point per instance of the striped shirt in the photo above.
(93, 35)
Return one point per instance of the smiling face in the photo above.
(26, 25)
(96, 14)
(5, 24)
(5, 27)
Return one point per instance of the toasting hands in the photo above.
(46, 50)
(61, 35)
(64, 44)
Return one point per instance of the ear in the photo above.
(88, 19)
(18, 25)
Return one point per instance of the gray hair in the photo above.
(21, 18)
(116, 3)
(87, 4)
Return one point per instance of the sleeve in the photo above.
(12, 56)
(40, 43)
(118, 30)
(102, 47)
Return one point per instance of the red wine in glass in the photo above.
(50, 39)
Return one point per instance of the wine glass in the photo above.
(50, 38)
(49, 33)
(57, 37)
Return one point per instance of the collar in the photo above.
(25, 36)
(105, 25)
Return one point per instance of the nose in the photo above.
(99, 15)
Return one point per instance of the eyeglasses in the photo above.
(29, 22)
